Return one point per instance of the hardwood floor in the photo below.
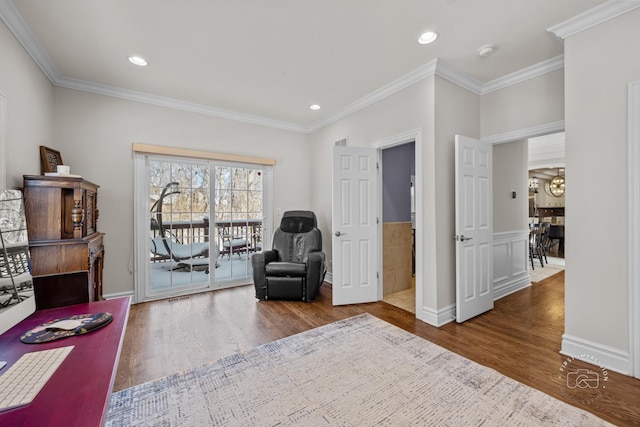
(520, 338)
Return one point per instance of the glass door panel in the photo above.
(179, 231)
(239, 213)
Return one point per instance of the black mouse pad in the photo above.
(87, 323)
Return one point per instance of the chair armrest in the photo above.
(258, 262)
(316, 269)
(270, 256)
(257, 265)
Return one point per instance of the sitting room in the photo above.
(158, 148)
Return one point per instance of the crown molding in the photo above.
(448, 72)
(177, 104)
(608, 10)
(435, 67)
(397, 85)
(524, 74)
(592, 17)
(13, 20)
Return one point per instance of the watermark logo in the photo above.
(581, 384)
(583, 378)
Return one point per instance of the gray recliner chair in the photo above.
(295, 267)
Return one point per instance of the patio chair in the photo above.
(188, 256)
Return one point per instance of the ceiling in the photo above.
(545, 154)
(546, 173)
(268, 61)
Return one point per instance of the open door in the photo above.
(474, 227)
(355, 228)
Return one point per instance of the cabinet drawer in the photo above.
(59, 258)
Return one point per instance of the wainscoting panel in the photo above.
(510, 257)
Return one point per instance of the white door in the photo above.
(355, 234)
(474, 227)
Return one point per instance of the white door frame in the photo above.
(399, 139)
(634, 228)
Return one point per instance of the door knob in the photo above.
(462, 238)
(338, 234)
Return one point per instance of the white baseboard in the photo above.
(507, 288)
(328, 277)
(120, 295)
(604, 356)
(440, 317)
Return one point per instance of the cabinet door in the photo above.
(90, 212)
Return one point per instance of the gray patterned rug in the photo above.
(359, 371)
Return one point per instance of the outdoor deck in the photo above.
(235, 242)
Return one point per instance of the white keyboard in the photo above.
(20, 384)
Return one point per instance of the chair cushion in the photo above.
(285, 269)
(235, 243)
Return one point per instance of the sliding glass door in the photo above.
(203, 219)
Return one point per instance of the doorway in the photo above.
(346, 289)
(546, 174)
(398, 225)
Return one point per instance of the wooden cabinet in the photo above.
(62, 217)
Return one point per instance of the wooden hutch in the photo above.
(67, 251)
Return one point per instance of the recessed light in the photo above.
(137, 60)
(428, 37)
(315, 107)
(486, 50)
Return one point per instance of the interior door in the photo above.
(355, 229)
(474, 227)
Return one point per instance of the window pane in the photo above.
(239, 203)
(254, 201)
(255, 180)
(239, 179)
(200, 176)
(223, 178)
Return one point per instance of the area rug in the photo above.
(551, 267)
(360, 371)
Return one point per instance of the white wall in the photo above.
(29, 100)
(457, 111)
(94, 134)
(599, 65)
(510, 174)
(530, 103)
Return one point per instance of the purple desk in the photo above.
(78, 392)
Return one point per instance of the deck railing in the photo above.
(231, 236)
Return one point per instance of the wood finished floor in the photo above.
(520, 338)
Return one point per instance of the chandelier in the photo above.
(556, 185)
(533, 184)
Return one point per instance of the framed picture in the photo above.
(49, 159)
